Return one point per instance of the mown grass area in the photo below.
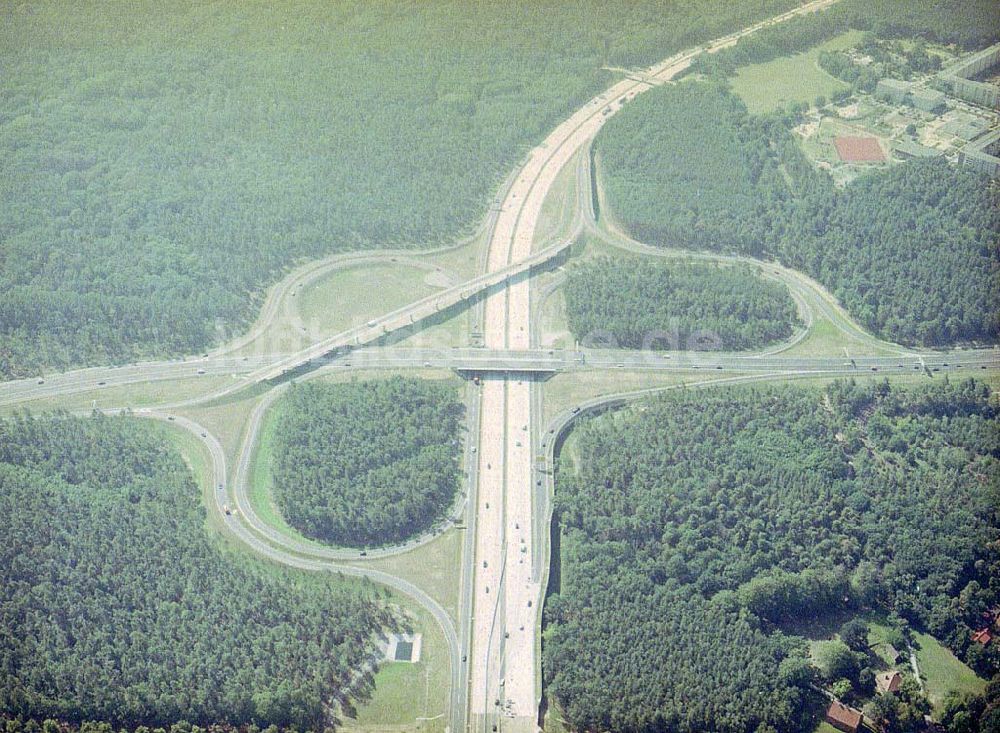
(819, 146)
(409, 696)
(435, 566)
(824, 727)
(778, 83)
(943, 671)
(826, 339)
(451, 330)
(559, 207)
(350, 297)
(555, 332)
(128, 396)
(342, 299)
(260, 479)
(567, 389)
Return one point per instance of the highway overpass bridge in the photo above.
(375, 331)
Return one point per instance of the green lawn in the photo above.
(144, 394)
(943, 671)
(555, 332)
(569, 388)
(559, 206)
(442, 332)
(825, 727)
(350, 297)
(775, 84)
(345, 297)
(435, 566)
(826, 339)
(261, 483)
(409, 696)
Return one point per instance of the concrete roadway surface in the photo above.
(473, 359)
(83, 380)
(507, 325)
(560, 360)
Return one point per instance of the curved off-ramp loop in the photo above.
(302, 556)
(241, 495)
(277, 298)
(802, 287)
(291, 305)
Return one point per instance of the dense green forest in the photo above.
(692, 529)
(645, 304)
(116, 605)
(367, 463)
(161, 163)
(969, 24)
(912, 252)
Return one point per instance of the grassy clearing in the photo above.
(825, 727)
(453, 331)
(555, 333)
(826, 339)
(462, 261)
(435, 566)
(409, 696)
(132, 396)
(943, 671)
(261, 483)
(343, 298)
(227, 422)
(775, 84)
(350, 297)
(569, 388)
(558, 209)
(819, 146)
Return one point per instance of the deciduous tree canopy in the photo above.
(160, 164)
(966, 23)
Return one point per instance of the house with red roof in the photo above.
(983, 636)
(844, 718)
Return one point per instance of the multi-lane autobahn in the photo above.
(494, 646)
(470, 360)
